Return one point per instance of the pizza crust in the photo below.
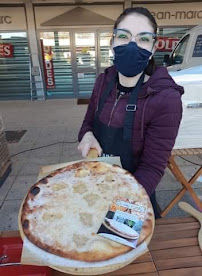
(46, 221)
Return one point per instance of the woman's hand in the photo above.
(89, 141)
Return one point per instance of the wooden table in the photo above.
(178, 174)
(174, 251)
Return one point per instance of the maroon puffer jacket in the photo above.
(157, 119)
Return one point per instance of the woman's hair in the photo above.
(139, 10)
(143, 11)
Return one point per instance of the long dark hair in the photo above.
(143, 11)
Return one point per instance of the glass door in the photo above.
(56, 55)
(105, 52)
(85, 51)
(73, 59)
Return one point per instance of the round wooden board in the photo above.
(103, 269)
(93, 270)
(106, 268)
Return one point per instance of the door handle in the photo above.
(194, 105)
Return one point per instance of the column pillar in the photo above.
(127, 4)
(34, 53)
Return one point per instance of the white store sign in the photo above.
(12, 19)
(43, 14)
(179, 14)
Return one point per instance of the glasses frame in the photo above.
(134, 36)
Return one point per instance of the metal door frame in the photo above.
(99, 31)
(76, 70)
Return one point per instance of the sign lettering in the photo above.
(166, 44)
(6, 50)
(177, 15)
(5, 19)
(48, 66)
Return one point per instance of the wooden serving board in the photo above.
(105, 268)
(193, 212)
(173, 251)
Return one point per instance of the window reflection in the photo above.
(85, 49)
(106, 55)
(57, 47)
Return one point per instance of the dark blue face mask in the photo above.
(130, 60)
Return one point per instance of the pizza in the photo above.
(62, 212)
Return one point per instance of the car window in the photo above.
(179, 52)
(198, 47)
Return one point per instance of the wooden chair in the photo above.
(186, 184)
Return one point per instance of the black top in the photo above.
(122, 89)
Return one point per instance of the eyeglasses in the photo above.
(143, 40)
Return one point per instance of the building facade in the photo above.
(56, 49)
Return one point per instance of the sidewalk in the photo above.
(58, 121)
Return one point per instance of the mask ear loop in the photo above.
(111, 45)
(152, 49)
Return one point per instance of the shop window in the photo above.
(106, 55)
(178, 55)
(198, 47)
(14, 66)
(167, 40)
(56, 52)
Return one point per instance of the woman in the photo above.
(135, 108)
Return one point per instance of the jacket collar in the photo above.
(158, 81)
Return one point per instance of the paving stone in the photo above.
(72, 134)
(70, 149)
(30, 169)
(44, 160)
(16, 167)
(19, 147)
(4, 189)
(54, 150)
(9, 215)
(68, 158)
(21, 186)
(165, 197)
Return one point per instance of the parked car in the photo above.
(190, 132)
(188, 51)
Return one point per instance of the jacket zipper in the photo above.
(115, 104)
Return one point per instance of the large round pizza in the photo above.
(62, 212)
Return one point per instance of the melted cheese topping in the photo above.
(69, 209)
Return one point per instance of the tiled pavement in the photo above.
(58, 121)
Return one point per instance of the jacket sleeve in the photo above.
(87, 124)
(159, 140)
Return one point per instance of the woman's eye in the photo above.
(144, 39)
(123, 36)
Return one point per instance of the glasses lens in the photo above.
(145, 40)
(121, 36)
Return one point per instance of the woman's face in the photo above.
(139, 27)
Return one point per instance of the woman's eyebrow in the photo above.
(122, 29)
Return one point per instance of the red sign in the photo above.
(166, 44)
(6, 50)
(48, 66)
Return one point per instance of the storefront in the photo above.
(78, 51)
(60, 49)
(75, 57)
(14, 54)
